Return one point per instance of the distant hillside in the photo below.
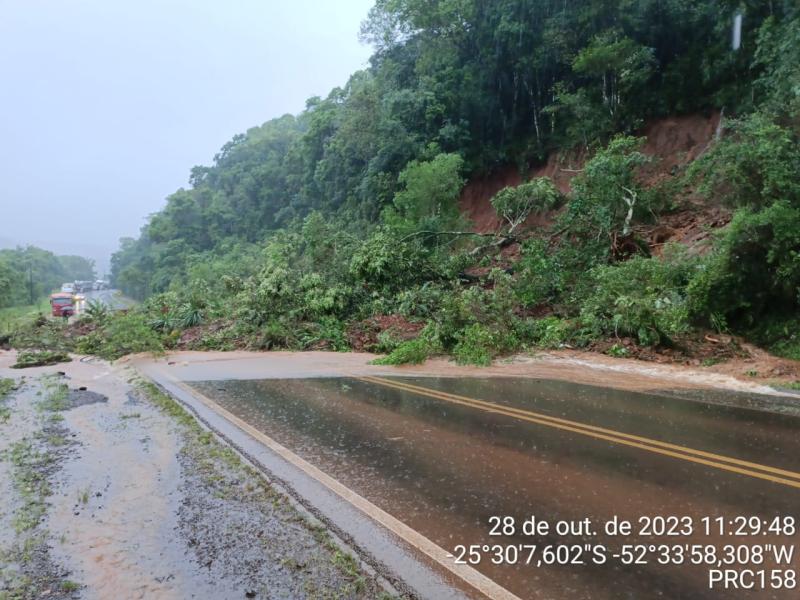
(28, 269)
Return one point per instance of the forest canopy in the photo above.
(494, 82)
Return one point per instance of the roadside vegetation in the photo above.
(28, 358)
(7, 386)
(14, 317)
(315, 231)
(32, 273)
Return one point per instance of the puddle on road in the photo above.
(444, 468)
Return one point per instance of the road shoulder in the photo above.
(146, 502)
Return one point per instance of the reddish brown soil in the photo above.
(697, 349)
(672, 142)
(78, 329)
(725, 354)
(474, 202)
(675, 142)
(561, 168)
(363, 336)
(191, 337)
(692, 227)
(761, 366)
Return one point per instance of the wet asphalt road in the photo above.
(445, 455)
(112, 298)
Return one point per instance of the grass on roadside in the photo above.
(56, 395)
(30, 468)
(32, 458)
(789, 385)
(12, 318)
(6, 387)
(345, 562)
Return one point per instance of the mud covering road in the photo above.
(108, 489)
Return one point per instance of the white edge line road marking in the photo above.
(471, 576)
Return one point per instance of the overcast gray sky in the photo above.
(105, 105)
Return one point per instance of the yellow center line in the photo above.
(673, 450)
(711, 455)
(442, 557)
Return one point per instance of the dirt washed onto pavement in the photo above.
(564, 365)
(142, 503)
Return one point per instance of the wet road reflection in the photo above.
(444, 468)
(113, 299)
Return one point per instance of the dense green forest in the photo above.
(31, 272)
(307, 228)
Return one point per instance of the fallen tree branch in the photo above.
(454, 233)
(559, 231)
(630, 201)
(466, 277)
(500, 243)
(501, 239)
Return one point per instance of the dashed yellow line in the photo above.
(735, 465)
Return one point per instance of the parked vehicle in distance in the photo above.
(62, 305)
(68, 288)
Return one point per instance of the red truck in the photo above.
(62, 304)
